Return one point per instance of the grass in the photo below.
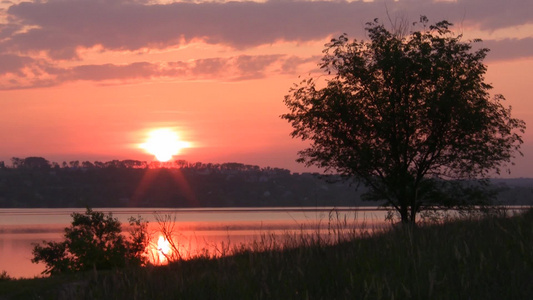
(488, 258)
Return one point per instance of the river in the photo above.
(196, 230)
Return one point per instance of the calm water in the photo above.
(195, 229)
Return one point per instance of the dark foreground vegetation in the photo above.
(488, 258)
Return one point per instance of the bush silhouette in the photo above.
(94, 241)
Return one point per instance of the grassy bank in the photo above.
(491, 258)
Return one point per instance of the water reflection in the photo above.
(196, 232)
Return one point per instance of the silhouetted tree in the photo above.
(181, 163)
(17, 162)
(31, 162)
(93, 240)
(99, 164)
(87, 165)
(401, 112)
(75, 164)
(134, 164)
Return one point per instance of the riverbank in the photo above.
(489, 258)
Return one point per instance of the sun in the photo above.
(164, 143)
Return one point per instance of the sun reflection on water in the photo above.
(159, 253)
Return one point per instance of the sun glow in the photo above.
(164, 143)
(160, 253)
(163, 248)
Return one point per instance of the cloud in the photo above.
(253, 67)
(41, 41)
(138, 70)
(292, 63)
(10, 63)
(61, 27)
(509, 49)
(20, 72)
(236, 68)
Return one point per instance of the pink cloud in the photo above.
(139, 70)
(509, 48)
(60, 27)
(10, 63)
(243, 67)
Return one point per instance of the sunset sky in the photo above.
(89, 79)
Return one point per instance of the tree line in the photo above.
(36, 182)
(41, 163)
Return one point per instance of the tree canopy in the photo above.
(406, 114)
(94, 240)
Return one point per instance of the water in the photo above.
(196, 230)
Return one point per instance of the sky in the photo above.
(89, 79)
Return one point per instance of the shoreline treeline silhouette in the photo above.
(36, 182)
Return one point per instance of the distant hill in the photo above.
(515, 191)
(35, 182)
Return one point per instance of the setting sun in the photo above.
(164, 143)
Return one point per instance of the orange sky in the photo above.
(86, 80)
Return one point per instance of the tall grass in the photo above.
(477, 258)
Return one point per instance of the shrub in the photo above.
(94, 241)
(4, 276)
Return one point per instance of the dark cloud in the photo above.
(17, 72)
(253, 67)
(7, 30)
(61, 26)
(209, 66)
(140, 70)
(509, 49)
(292, 63)
(244, 67)
(14, 64)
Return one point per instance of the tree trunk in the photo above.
(408, 214)
(404, 213)
(412, 218)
